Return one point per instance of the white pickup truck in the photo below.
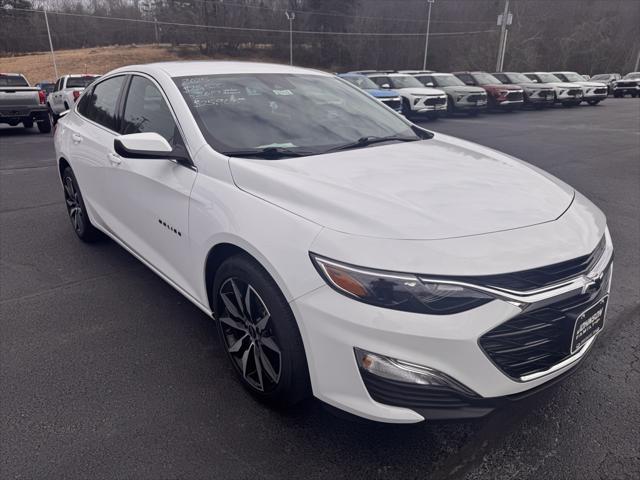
(66, 91)
(21, 103)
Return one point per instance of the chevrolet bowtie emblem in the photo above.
(592, 282)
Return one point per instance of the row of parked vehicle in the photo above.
(429, 93)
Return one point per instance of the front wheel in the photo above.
(593, 102)
(76, 208)
(259, 333)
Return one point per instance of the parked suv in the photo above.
(536, 95)
(21, 103)
(628, 85)
(390, 98)
(507, 97)
(460, 97)
(567, 94)
(609, 79)
(416, 98)
(66, 92)
(593, 92)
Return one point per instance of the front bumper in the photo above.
(333, 325)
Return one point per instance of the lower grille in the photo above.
(626, 84)
(600, 91)
(538, 339)
(395, 104)
(514, 96)
(435, 101)
(476, 98)
(576, 92)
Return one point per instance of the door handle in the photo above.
(76, 138)
(114, 159)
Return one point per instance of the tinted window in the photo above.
(466, 78)
(13, 81)
(102, 102)
(146, 111)
(80, 82)
(502, 77)
(380, 81)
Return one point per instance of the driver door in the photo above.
(150, 197)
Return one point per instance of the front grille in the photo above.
(514, 96)
(537, 339)
(476, 97)
(435, 101)
(575, 92)
(391, 103)
(626, 84)
(536, 278)
(600, 91)
(545, 93)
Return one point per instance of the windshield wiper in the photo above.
(366, 141)
(268, 152)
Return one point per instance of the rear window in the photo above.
(13, 81)
(79, 82)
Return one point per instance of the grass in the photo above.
(38, 67)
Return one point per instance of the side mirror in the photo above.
(429, 84)
(386, 85)
(149, 145)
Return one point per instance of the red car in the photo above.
(499, 95)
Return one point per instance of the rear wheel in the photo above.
(259, 333)
(593, 102)
(76, 208)
(28, 123)
(617, 95)
(44, 125)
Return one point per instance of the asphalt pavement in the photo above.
(107, 372)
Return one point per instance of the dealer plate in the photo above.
(588, 324)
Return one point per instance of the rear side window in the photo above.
(502, 77)
(13, 81)
(101, 104)
(146, 111)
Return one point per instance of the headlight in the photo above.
(398, 291)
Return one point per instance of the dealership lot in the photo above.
(107, 372)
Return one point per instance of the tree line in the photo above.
(589, 36)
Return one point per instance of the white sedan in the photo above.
(393, 273)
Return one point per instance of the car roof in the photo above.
(80, 75)
(215, 67)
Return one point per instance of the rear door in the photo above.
(150, 197)
(92, 131)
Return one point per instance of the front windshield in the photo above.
(548, 78)
(486, 79)
(574, 77)
(312, 113)
(405, 81)
(632, 76)
(600, 77)
(447, 81)
(361, 81)
(517, 78)
(79, 82)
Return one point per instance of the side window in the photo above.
(146, 111)
(101, 104)
(466, 78)
(531, 77)
(502, 77)
(57, 87)
(84, 103)
(427, 79)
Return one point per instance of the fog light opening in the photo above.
(406, 372)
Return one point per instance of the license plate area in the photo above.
(588, 324)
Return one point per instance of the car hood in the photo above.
(382, 93)
(420, 91)
(501, 86)
(592, 84)
(535, 86)
(432, 189)
(564, 85)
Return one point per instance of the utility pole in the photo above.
(155, 25)
(291, 15)
(426, 37)
(53, 55)
(503, 21)
(637, 62)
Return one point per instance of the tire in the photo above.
(616, 95)
(451, 107)
(28, 123)
(54, 117)
(593, 102)
(77, 210)
(267, 355)
(45, 125)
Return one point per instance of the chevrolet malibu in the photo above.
(344, 252)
